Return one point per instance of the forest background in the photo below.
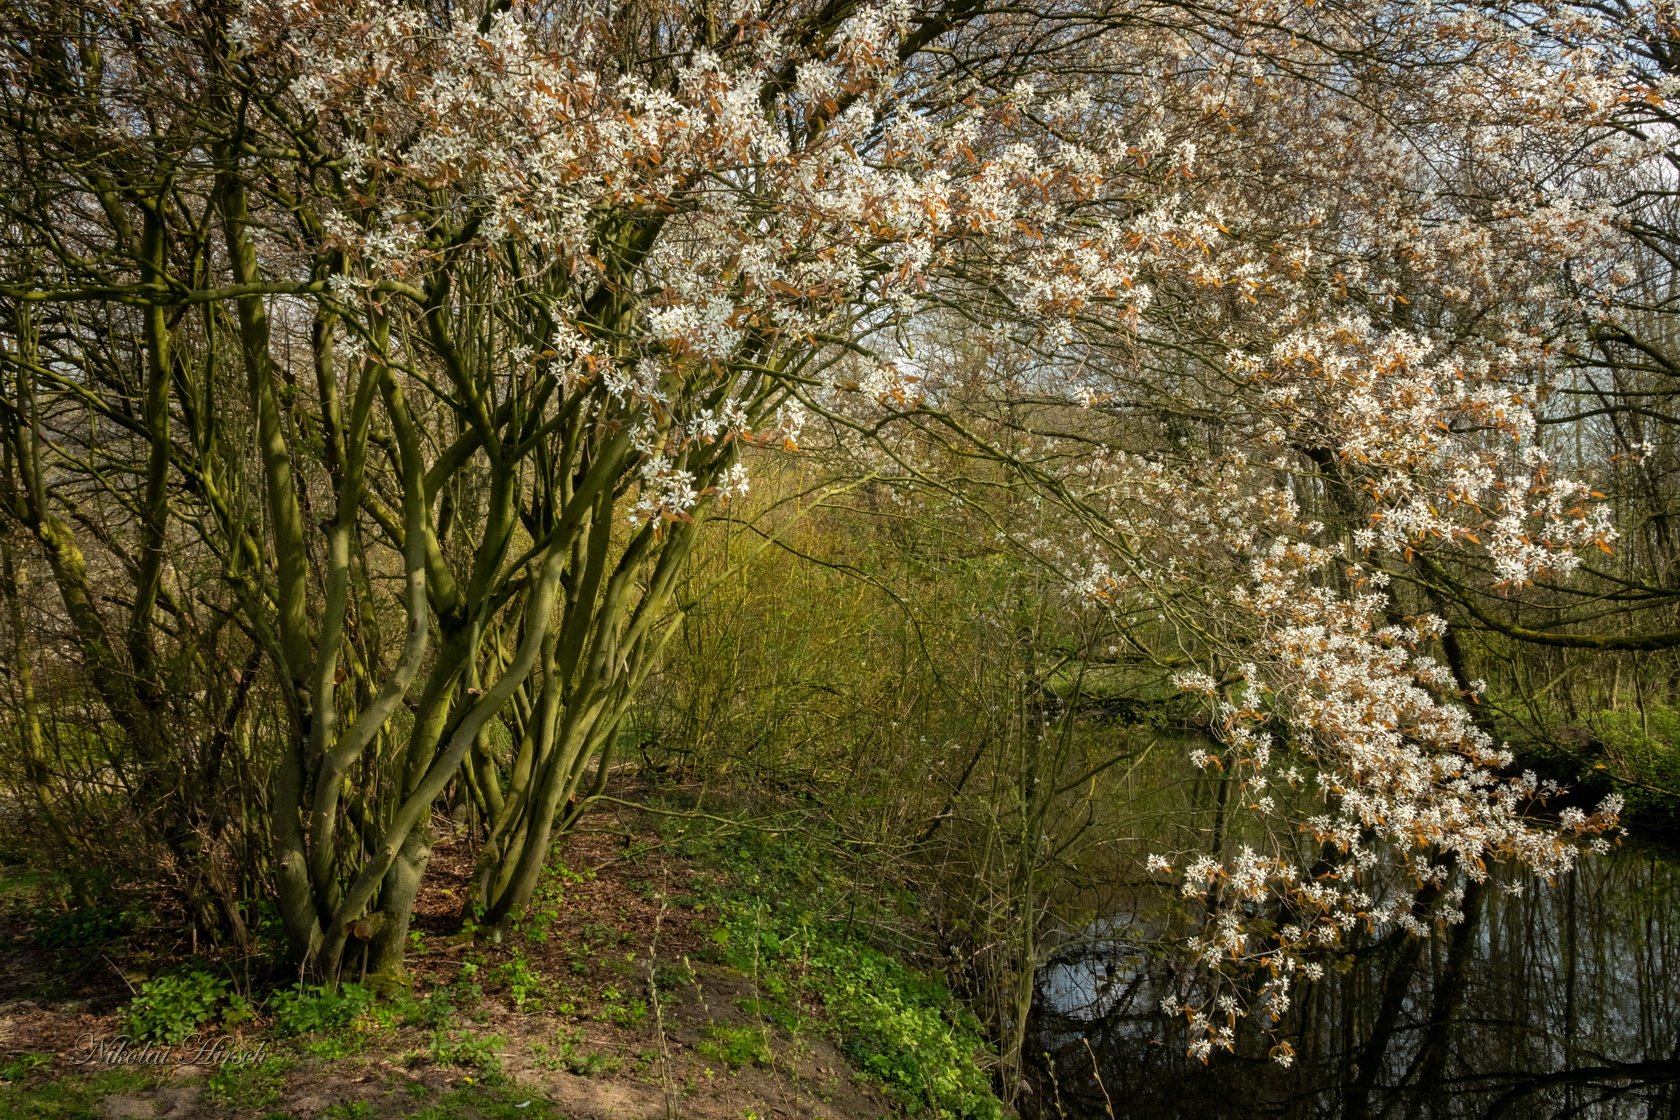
(1068, 450)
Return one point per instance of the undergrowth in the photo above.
(781, 909)
(784, 918)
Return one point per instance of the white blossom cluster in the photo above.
(1282, 281)
(763, 196)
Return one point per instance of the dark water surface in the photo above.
(1561, 1001)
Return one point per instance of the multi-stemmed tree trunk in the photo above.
(395, 353)
(432, 490)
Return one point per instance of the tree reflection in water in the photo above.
(1561, 1001)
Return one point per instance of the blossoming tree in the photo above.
(452, 324)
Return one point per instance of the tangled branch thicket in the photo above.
(372, 369)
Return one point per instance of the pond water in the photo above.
(1561, 1001)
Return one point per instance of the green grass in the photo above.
(487, 1102)
(70, 1098)
(256, 1091)
(19, 1066)
(253, 1087)
(1643, 747)
(348, 1110)
(735, 1046)
(471, 1051)
(568, 1053)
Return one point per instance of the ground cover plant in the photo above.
(1222, 455)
